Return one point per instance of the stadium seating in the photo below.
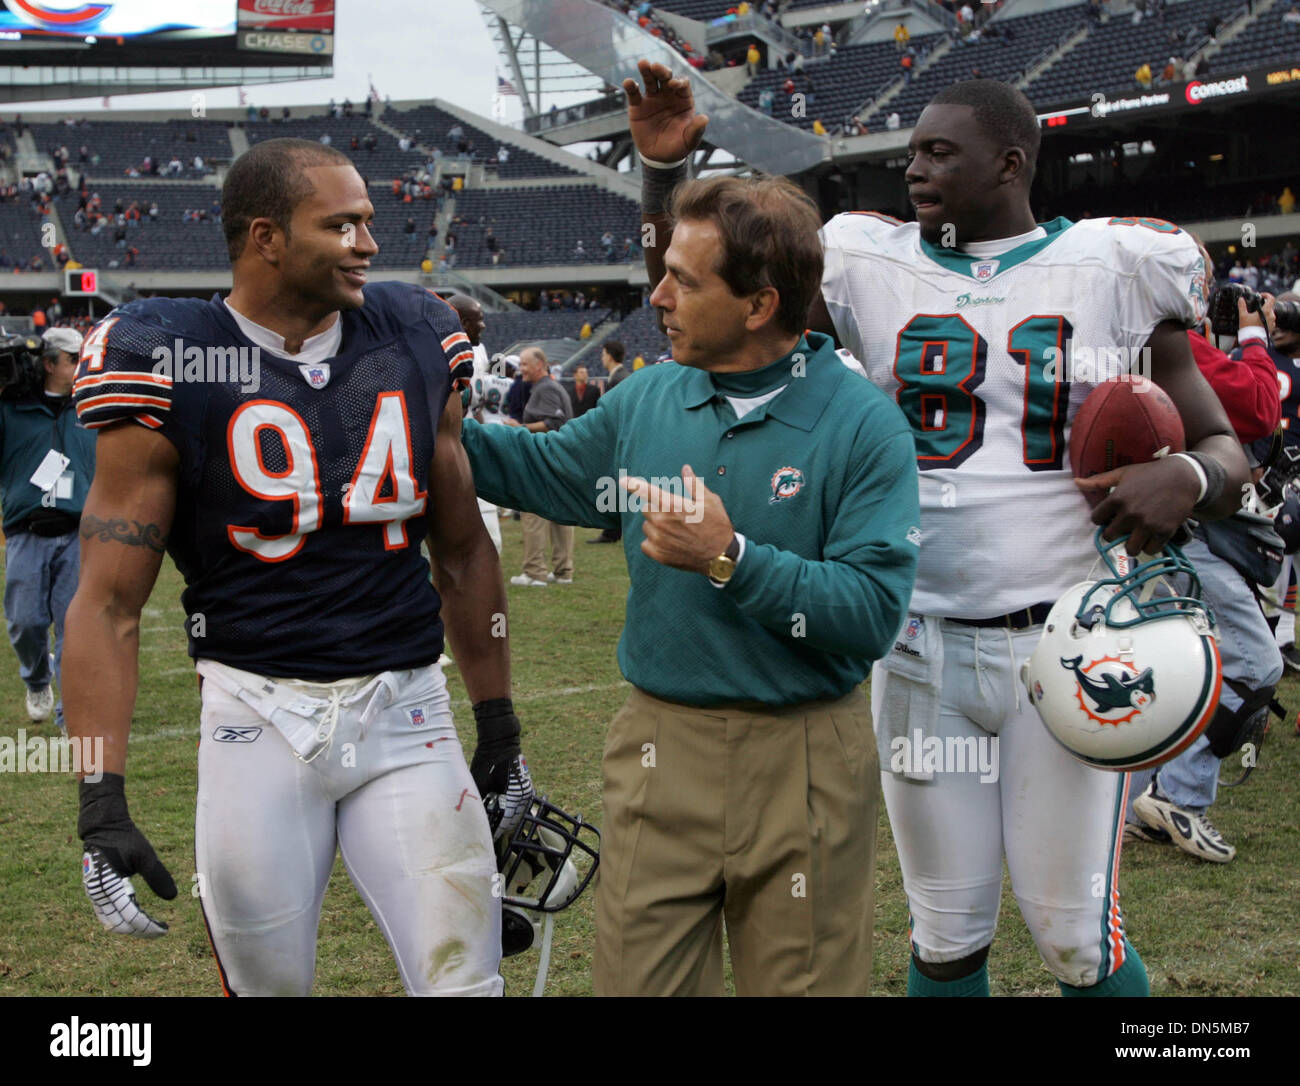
(504, 330)
(1107, 59)
(1266, 41)
(995, 58)
(384, 163)
(640, 334)
(843, 83)
(121, 145)
(171, 243)
(165, 244)
(429, 125)
(543, 225)
(20, 234)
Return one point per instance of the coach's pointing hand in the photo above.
(663, 121)
(685, 533)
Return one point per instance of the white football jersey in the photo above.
(990, 358)
(489, 396)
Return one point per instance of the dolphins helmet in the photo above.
(1127, 672)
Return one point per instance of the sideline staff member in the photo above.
(42, 551)
(741, 776)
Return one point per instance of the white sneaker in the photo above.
(40, 704)
(1191, 832)
(525, 581)
(551, 578)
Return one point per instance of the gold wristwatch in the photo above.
(722, 567)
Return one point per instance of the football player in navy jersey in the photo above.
(289, 446)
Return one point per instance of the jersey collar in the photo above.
(963, 263)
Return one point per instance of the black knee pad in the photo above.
(950, 971)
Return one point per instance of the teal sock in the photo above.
(1130, 979)
(974, 985)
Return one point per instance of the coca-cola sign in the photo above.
(282, 15)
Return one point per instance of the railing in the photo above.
(753, 23)
(583, 111)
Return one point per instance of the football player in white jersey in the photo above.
(989, 330)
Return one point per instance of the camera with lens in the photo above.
(1224, 315)
(21, 369)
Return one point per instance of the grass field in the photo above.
(1202, 929)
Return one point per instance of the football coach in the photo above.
(768, 498)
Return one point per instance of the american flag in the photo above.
(504, 86)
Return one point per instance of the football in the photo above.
(1125, 421)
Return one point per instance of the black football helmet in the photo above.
(544, 866)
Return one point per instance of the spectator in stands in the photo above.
(1143, 76)
(765, 99)
(347, 107)
(893, 122)
(906, 64)
(584, 394)
(131, 253)
(503, 155)
(1292, 16)
(607, 245)
(325, 139)
(579, 251)
(752, 57)
(818, 43)
(153, 211)
(285, 114)
(818, 128)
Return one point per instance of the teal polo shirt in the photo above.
(821, 481)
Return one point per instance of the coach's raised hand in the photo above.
(115, 850)
(662, 120)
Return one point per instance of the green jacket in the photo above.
(29, 429)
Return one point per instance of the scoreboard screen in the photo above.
(167, 33)
(36, 19)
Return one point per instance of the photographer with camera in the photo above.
(47, 460)
(1282, 459)
(1231, 557)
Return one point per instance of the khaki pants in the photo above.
(536, 531)
(766, 818)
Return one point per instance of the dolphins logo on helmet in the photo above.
(1127, 674)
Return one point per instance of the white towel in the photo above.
(906, 695)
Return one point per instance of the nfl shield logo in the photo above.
(417, 718)
(914, 627)
(984, 269)
(318, 375)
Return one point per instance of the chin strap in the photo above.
(544, 966)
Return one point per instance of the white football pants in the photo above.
(1057, 821)
(394, 795)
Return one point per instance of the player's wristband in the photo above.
(102, 803)
(496, 723)
(658, 182)
(1212, 475)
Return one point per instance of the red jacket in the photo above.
(1247, 388)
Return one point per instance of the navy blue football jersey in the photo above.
(303, 493)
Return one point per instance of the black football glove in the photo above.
(115, 850)
(498, 767)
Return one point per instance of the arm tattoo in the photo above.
(120, 531)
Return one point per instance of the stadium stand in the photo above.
(504, 330)
(430, 125)
(994, 58)
(1110, 55)
(167, 243)
(20, 236)
(843, 83)
(123, 145)
(543, 225)
(640, 334)
(1266, 41)
(385, 162)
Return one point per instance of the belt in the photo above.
(1016, 620)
